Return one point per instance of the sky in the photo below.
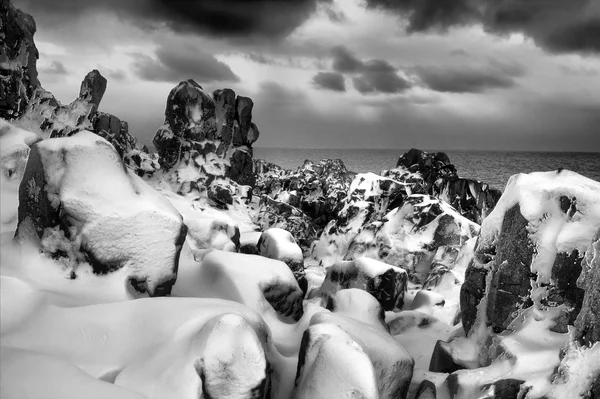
(435, 74)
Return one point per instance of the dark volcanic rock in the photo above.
(471, 293)
(77, 220)
(93, 88)
(385, 282)
(18, 58)
(213, 134)
(317, 189)
(588, 320)
(511, 271)
(272, 213)
(433, 174)
(441, 359)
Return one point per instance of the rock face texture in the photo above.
(314, 192)
(527, 267)
(385, 282)
(588, 320)
(376, 220)
(79, 204)
(212, 135)
(533, 275)
(18, 57)
(433, 174)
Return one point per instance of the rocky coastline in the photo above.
(199, 271)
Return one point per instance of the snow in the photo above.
(551, 230)
(119, 219)
(276, 243)
(14, 151)
(334, 366)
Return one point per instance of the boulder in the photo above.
(385, 282)
(276, 243)
(392, 363)
(265, 285)
(350, 372)
(360, 305)
(233, 363)
(79, 203)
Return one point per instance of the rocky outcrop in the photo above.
(377, 219)
(385, 282)
(588, 320)
(211, 135)
(524, 268)
(18, 58)
(433, 174)
(317, 189)
(526, 287)
(272, 213)
(80, 205)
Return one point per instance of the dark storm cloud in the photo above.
(470, 79)
(380, 76)
(558, 25)
(229, 18)
(176, 63)
(330, 81)
(56, 68)
(374, 76)
(345, 61)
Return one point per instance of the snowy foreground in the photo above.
(411, 300)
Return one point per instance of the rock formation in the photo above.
(210, 134)
(69, 210)
(18, 58)
(433, 174)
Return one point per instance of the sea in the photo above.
(492, 167)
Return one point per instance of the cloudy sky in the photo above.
(435, 74)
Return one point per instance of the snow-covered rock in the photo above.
(276, 243)
(272, 213)
(433, 174)
(157, 348)
(332, 364)
(588, 320)
(206, 136)
(533, 243)
(382, 220)
(392, 363)
(385, 282)
(266, 285)
(317, 189)
(14, 151)
(359, 305)
(520, 298)
(79, 203)
(18, 57)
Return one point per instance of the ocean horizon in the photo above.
(492, 167)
